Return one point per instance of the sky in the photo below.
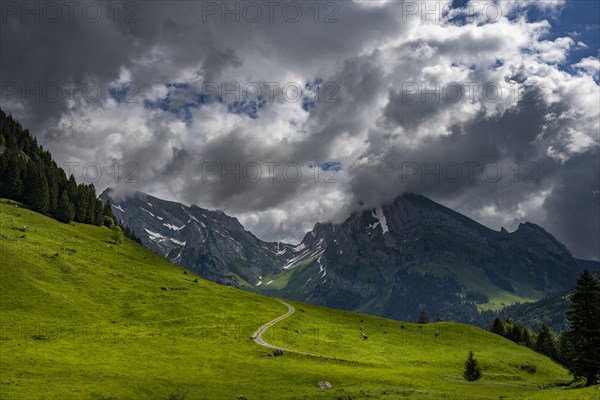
(287, 113)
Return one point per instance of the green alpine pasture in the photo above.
(82, 318)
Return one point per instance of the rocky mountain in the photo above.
(415, 254)
(210, 243)
(395, 260)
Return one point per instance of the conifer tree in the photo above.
(72, 188)
(98, 212)
(472, 371)
(82, 204)
(14, 187)
(36, 187)
(53, 194)
(423, 318)
(498, 327)
(565, 349)
(515, 333)
(584, 317)
(108, 210)
(65, 210)
(546, 343)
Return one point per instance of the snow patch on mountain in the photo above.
(300, 247)
(381, 220)
(177, 242)
(143, 209)
(304, 256)
(154, 235)
(174, 227)
(321, 269)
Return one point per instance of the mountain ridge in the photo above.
(395, 260)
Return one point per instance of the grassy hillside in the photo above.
(84, 319)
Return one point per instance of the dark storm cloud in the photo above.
(368, 53)
(574, 205)
(499, 162)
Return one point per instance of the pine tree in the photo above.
(423, 318)
(565, 350)
(41, 201)
(515, 333)
(65, 211)
(472, 371)
(108, 210)
(82, 204)
(584, 317)
(546, 343)
(498, 327)
(90, 193)
(13, 186)
(53, 194)
(72, 188)
(36, 188)
(98, 212)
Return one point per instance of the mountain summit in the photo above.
(415, 254)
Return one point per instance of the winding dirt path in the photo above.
(258, 335)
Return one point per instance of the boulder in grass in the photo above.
(324, 385)
(278, 353)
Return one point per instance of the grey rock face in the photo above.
(210, 243)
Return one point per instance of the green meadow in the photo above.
(82, 318)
